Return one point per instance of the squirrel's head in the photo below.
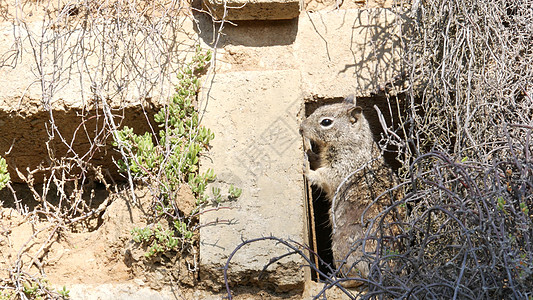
(336, 124)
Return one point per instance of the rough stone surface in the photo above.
(346, 52)
(316, 5)
(337, 52)
(129, 291)
(256, 147)
(253, 9)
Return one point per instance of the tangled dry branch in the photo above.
(469, 67)
(467, 235)
(464, 141)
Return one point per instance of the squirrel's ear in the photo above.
(350, 99)
(355, 113)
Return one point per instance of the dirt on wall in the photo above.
(72, 255)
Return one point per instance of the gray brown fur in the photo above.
(344, 147)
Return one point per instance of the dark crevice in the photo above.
(322, 230)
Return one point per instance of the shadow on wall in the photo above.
(93, 193)
(377, 48)
(24, 138)
(350, 51)
(245, 33)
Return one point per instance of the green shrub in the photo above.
(4, 174)
(174, 159)
(171, 160)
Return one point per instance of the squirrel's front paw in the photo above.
(312, 176)
(311, 156)
(314, 159)
(306, 166)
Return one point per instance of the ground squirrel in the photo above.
(345, 152)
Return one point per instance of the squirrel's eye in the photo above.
(326, 122)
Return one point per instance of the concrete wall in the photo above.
(265, 71)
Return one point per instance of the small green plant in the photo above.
(181, 141)
(392, 252)
(7, 295)
(500, 204)
(64, 293)
(38, 289)
(216, 194)
(31, 289)
(524, 208)
(234, 192)
(183, 230)
(28, 287)
(162, 240)
(171, 159)
(198, 184)
(141, 235)
(4, 174)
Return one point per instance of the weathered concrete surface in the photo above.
(338, 52)
(118, 291)
(316, 5)
(253, 9)
(135, 290)
(256, 147)
(344, 52)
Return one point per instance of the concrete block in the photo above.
(253, 9)
(344, 52)
(338, 52)
(256, 147)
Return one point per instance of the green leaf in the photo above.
(4, 174)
